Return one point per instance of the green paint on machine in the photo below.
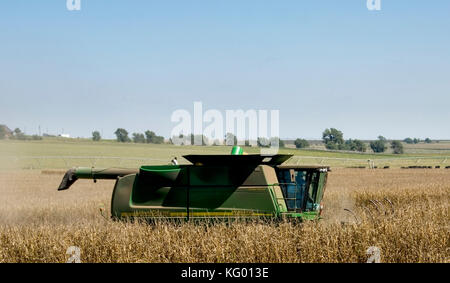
(213, 187)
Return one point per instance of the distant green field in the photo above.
(64, 153)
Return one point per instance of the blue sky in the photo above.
(323, 64)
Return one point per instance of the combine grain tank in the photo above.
(213, 186)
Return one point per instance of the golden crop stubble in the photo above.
(38, 224)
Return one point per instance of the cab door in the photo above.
(315, 192)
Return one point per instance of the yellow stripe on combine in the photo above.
(193, 214)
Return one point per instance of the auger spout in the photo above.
(93, 173)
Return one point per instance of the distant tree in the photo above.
(416, 140)
(397, 147)
(36, 137)
(348, 145)
(333, 139)
(230, 139)
(355, 145)
(428, 140)
(333, 146)
(263, 142)
(152, 137)
(301, 143)
(17, 134)
(360, 146)
(138, 138)
(96, 136)
(122, 135)
(379, 145)
(409, 140)
(158, 140)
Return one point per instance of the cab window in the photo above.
(293, 185)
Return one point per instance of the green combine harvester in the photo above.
(214, 187)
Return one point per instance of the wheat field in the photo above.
(39, 224)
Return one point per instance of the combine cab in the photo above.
(213, 186)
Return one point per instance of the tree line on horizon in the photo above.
(146, 137)
(153, 138)
(17, 134)
(332, 138)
